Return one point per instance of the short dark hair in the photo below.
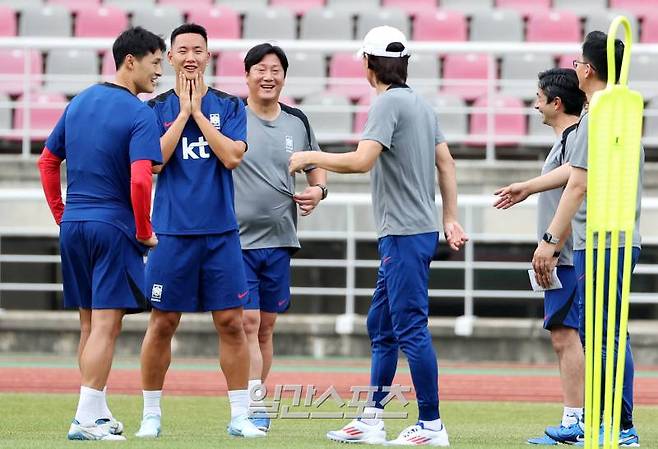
(186, 28)
(595, 51)
(137, 42)
(390, 70)
(257, 53)
(563, 83)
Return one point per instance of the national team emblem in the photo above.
(214, 120)
(156, 293)
(289, 144)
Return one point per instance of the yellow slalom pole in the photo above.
(614, 133)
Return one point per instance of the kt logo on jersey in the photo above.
(189, 149)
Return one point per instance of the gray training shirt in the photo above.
(549, 200)
(403, 177)
(266, 212)
(578, 158)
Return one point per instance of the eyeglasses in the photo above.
(575, 63)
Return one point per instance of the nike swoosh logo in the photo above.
(168, 124)
(242, 295)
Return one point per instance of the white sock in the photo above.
(372, 415)
(106, 410)
(90, 406)
(239, 400)
(434, 425)
(255, 406)
(571, 415)
(152, 402)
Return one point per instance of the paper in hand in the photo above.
(555, 281)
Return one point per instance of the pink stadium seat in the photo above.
(108, 68)
(187, 6)
(299, 7)
(106, 21)
(465, 75)
(361, 117)
(76, 5)
(46, 108)
(221, 21)
(7, 21)
(441, 25)
(553, 26)
(12, 69)
(346, 76)
(509, 121)
(230, 64)
(639, 8)
(524, 7)
(414, 8)
(650, 28)
(566, 61)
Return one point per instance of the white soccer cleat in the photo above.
(359, 432)
(94, 432)
(240, 426)
(111, 425)
(150, 427)
(417, 435)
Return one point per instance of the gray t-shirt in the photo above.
(548, 201)
(577, 157)
(403, 177)
(266, 212)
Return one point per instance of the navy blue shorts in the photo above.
(268, 279)
(101, 267)
(196, 273)
(561, 305)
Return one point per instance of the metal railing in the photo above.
(489, 139)
(350, 234)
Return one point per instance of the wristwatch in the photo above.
(549, 238)
(556, 254)
(324, 189)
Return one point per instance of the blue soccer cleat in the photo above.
(543, 440)
(241, 426)
(627, 438)
(150, 427)
(261, 422)
(567, 435)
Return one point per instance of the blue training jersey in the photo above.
(102, 131)
(194, 194)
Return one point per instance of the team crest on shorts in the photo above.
(290, 146)
(156, 293)
(214, 120)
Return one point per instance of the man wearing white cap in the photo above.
(402, 144)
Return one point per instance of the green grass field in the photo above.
(38, 421)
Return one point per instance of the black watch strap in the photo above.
(324, 189)
(556, 254)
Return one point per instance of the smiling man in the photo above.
(198, 265)
(266, 202)
(109, 139)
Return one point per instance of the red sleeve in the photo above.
(140, 196)
(49, 169)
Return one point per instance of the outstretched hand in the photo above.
(511, 195)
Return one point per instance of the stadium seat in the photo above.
(467, 6)
(326, 24)
(537, 128)
(524, 7)
(187, 6)
(465, 75)
(306, 74)
(643, 75)
(5, 116)
(566, 61)
(347, 76)
(361, 114)
(581, 7)
(269, 24)
(76, 5)
(299, 7)
(453, 122)
(329, 115)
(70, 70)
(354, 5)
(412, 7)
(131, 5)
(509, 121)
(160, 20)
(441, 25)
(601, 20)
(50, 21)
(367, 20)
(46, 109)
(108, 67)
(518, 74)
(229, 71)
(424, 73)
(221, 21)
(7, 21)
(497, 25)
(12, 63)
(19, 6)
(244, 6)
(553, 26)
(637, 7)
(650, 28)
(106, 21)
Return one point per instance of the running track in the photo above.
(464, 382)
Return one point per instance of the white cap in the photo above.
(379, 38)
